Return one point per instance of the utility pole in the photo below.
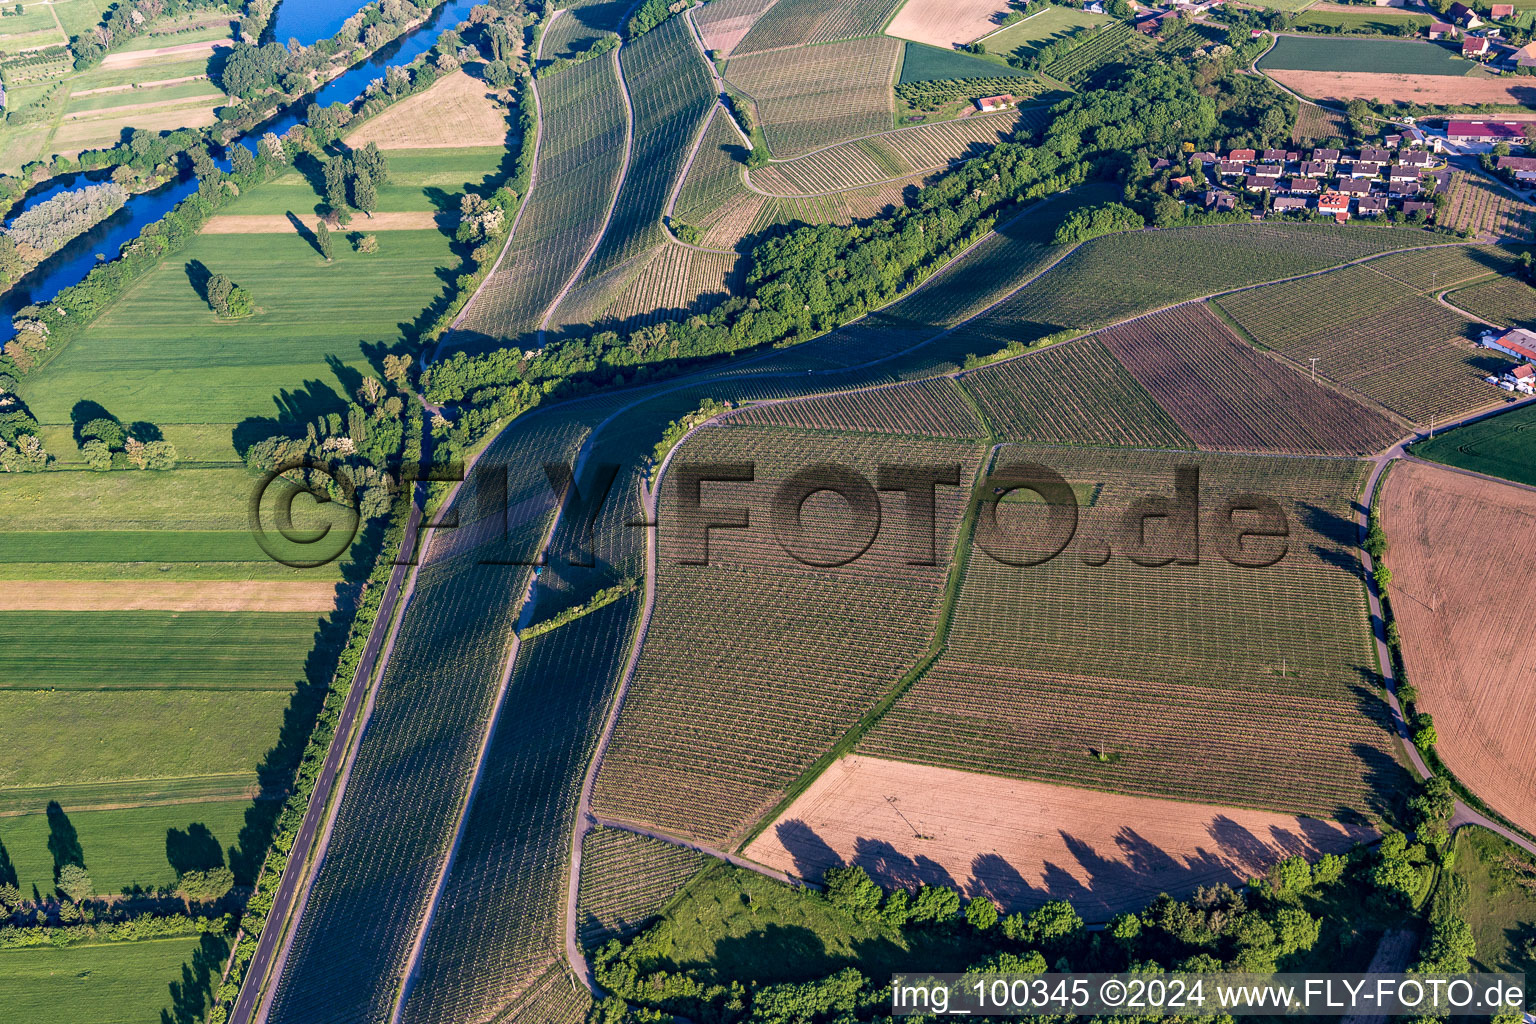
(1313, 360)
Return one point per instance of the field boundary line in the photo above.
(989, 35)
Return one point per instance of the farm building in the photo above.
(1517, 342)
(1002, 102)
(1502, 11)
(1463, 15)
(1523, 167)
(1484, 131)
(1525, 57)
(1475, 46)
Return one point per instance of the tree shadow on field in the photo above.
(83, 412)
(811, 853)
(294, 409)
(190, 995)
(774, 954)
(7, 869)
(196, 849)
(890, 866)
(197, 276)
(63, 840)
(993, 877)
(303, 231)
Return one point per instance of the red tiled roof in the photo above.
(1484, 129)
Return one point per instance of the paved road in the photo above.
(267, 946)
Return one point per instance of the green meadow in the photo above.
(127, 846)
(113, 983)
(1503, 445)
(1042, 29)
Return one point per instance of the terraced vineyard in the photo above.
(823, 643)
(1380, 338)
(1110, 278)
(1082, 61)
(670, 91)
(626, 879)
(930, 408)
(499, 925)
(1048, 666)
(1507, 301)
(580, 150)
(800, 22)
(1228, 397)
(1074, 392)
(818, 96)
(893, 154)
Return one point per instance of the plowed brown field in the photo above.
(1463, 602)
(1022, 843)
(1435, 90)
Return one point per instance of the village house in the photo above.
(1365, 169)
(1399, 189)
(1354, 186)
(1204, 158)
(1289, 204)
(1502, 10)
(1442, 30)
(1326, 156)
(1400, 174)
(1230, 168)
(1524, 378)
(1270, 171)
(1523, 167)
(1371, 206)
(1003, 102)
(1334, 204)
(1242, 155)
(1374, 155)
(1487, 132)
(1415, 158)
(1304, 185)
(1254, 183)
(1463, 15)
(1162, 163)
(1280, 156)
(1517, 342)
(1475, 47)
(1525, 56)
(1183, 181)
(1218, 200)
(1412, 206)
(1313, 168)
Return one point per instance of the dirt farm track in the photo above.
(1463, 602)
(908, 823)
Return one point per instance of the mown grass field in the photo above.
(1503, 446)
(1383, 56)
(126, 846)
(1501, 903)
(1384, 21)
(923, 63)
(1042, 29)
(114, 983)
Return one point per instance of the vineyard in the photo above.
(579, 156)
(817, 96)
(1507, 301)
(799, 22)
(1228, 397)
(1485, 209)
(1382, 339)
(1116, 276)
(756, 663)
(1315, 124)
(499, 924)
(723, 23)
(625, 881)
(1100, 48)
(833, 207)
(1434, 270)
(930, 408)
(673, 282)
(1208, 681)
(670, 90)
(1076, 393)
(580, 26)
(715, 174)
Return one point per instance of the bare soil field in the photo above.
(133, 58)
(1022, 843)
(1463, 606)
(1437, 90)
(946, 22)
(277, 224)
(456, 111)
(171, 596)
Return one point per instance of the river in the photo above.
(70, 264)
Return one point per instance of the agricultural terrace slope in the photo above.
(670, 92)
(755, 663)
(581, 146)
(1229, 397)
(499, 925)
(1022, 843)
(455, 111)
(723, 23)
(1108, 279)
(946, 22)
(801, 22)
(1105, 675)
(816, 96)
(896, 153)
(1374, 335)
(414, 764)
(1462, 611)
(626, 879)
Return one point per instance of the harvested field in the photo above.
(1105, 676)
(723, 23)
(1506, 301)
(930, 408)
(1075, 392)
(625, 881)
(801, 22)
(731, 716)
(1230, 398)
(817, 96)
(1375, 336)
(1314, 124)
(105, 128)
(457, 111)
(946, 22)
(1464, 613)
(1486, 209)
(1022, 843)
(171, 596)
(1431, 90)
(275, 224)
(134, 58)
